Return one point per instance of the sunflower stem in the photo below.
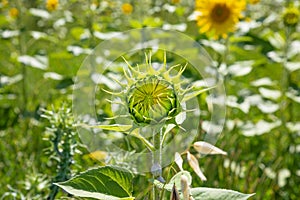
(156, 157)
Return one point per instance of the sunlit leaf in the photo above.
(37, 35)
(6, 80)
(268, 107)
(241, 68)
(53, 76)
(275, 56)
(283, 174)
(40, 13)
(77, 50)
(294, 49)
(270, 94)
(109, 35)
(178, 27)
(203, 193)
(261, 127)
(36, 62)
(220, 48)
(292, 66)
(277, 40)
(294, 127)
(9, 34)
(293, 95)
(211, 127)
(232, 101)
(266, 81)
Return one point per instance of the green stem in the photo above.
(285, 81)
(90, 22)
(24, 90)
(156, 157)
(144, 140)
(22, 51)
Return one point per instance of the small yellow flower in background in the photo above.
(218, 17)
(175, 1)
(98, 155)
(13, 12)
(4, 3)
(52, 5)
(254, 1)
(127, 8)
(291, 16)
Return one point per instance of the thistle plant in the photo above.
(63, 138)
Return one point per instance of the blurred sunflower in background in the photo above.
(52, 5)
(291, 16)
(127, 8)
(254, 1)
(218, 17)
(13, 12)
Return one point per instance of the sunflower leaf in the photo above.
(108, 182)
(204, 193)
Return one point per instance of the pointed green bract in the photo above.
(195, 93)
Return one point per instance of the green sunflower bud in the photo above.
(152, 99)
(291, 16)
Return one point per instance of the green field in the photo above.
(63, 61)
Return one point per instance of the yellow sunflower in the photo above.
(52, 4)
(13, 12)
(219, 17)
(254, 1)
(127, 8)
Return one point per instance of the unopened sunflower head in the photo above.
(291, 16)
(154, 96)
(152, 99)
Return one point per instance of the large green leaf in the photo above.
(203, 193)
(108, 182)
